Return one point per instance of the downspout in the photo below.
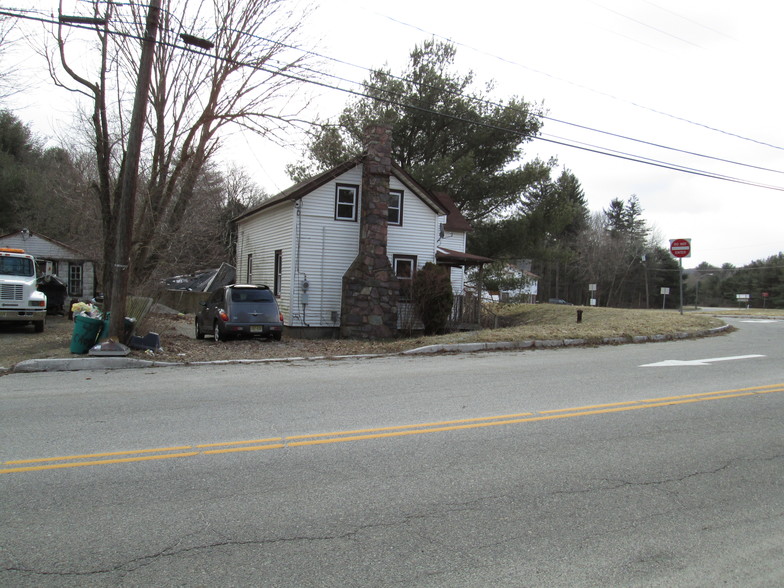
(302, 286)
(321, 274)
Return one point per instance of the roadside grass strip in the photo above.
(183, 451)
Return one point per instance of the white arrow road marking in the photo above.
(679, 362)
(760, 321)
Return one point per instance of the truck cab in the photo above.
(20, 300)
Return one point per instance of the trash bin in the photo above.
(85, 333)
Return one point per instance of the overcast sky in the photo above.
(697, 76)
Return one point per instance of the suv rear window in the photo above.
(251, 295)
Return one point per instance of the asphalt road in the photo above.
(634, 465)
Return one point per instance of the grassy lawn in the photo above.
(519, 322)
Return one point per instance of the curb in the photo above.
(71, 364)
(120, 363)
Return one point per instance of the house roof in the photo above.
(305, 187)
(14, 234)
(455, 221)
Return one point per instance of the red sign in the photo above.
(765, 294)
(680, 247)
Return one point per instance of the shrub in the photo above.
(433, 297)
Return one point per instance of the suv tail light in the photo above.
(223, 316)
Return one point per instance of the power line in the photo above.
(646, 25)
(581, 86)
(496, 104)
(558, 141)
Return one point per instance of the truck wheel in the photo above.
(39, 326)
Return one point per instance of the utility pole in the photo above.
(127, 204)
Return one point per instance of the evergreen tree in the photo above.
(446, 135)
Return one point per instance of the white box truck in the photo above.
(20, 300)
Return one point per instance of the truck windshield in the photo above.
(16, 266)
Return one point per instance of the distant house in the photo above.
(73, 268)
(340, 249)
(527, 288)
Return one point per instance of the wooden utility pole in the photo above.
(127, 204)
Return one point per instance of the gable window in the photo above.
(395, 216)
(346, 202)
(405, 270)
(278, 272)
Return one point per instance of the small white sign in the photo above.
(592, 287)
(743, 296)
(593, 301)
(665, 291)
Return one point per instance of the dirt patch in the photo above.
(178, 343)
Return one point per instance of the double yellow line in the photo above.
(115, 457)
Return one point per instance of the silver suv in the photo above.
(240, 310)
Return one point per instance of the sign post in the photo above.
(592, 290)
(664, 292)
(680, 248)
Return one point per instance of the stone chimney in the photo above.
(370, 288)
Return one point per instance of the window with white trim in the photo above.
(75, 280)
(395, 215)
(346, 202)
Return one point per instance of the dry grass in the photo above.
(520, 322)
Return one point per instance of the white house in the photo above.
(303, 243)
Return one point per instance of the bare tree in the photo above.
(6, 24)
(239, 69)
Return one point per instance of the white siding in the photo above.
(261, 235)
(456, 241)
(418, 232)
(320, 249)
(327, 247)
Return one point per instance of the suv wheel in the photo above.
(217, 332)
(199, 334)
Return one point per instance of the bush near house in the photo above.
(433, 297)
